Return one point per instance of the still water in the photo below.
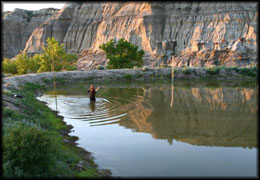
(186, 129)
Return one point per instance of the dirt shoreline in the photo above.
(131, 75)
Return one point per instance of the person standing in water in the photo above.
(92, 92)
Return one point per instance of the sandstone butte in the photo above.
(190, 33)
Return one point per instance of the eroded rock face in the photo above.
(18, 27)
(194, 33)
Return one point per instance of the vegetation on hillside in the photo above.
(23, 64)
(122, 54)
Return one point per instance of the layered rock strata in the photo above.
(185, 33)
(18, 27)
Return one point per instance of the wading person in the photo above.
(92, 92)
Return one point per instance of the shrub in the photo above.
(34, 63)
(100, 67)
(28, 152)
(69, 61)
(186, 70)
(247, 71)
(213, 70)
(9, 66)
(128, 77)
(26, 64)
(22, 62)
(122, 54)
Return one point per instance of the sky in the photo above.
(30, 5)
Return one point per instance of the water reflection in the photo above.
(92, 105)
(202, 115)
(199, 116)
(165, 130)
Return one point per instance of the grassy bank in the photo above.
(36, 141)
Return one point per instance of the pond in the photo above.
(189, 128)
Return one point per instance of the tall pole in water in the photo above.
(54, 81)
(172, 92)
(172, 68)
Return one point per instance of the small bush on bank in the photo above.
(26, 64)
(247, 71)
(186, 70)
(128, 77)
(213, 70)
(30, 152)
(100, 67)
(9, 66)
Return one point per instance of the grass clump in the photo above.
(90, 172)
(213, 70)
(128, 77)
(186, 70)
(247, 71)
(47, 81)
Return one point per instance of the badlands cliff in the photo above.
(190, 33)
(18, 27)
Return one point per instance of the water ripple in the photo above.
(101, 112)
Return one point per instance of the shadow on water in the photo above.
(209, 114)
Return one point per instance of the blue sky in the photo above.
(30, 5)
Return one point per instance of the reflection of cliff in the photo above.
(139, 115)
(200, 116)
(131, 101)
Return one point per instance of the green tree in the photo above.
(56, 52)
(34, 63)
(122, 54)
(26, 64)
(69, 62)
(22, 62)
(9, 66)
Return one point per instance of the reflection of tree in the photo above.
(201, 116)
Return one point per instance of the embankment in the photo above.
(249, 73)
